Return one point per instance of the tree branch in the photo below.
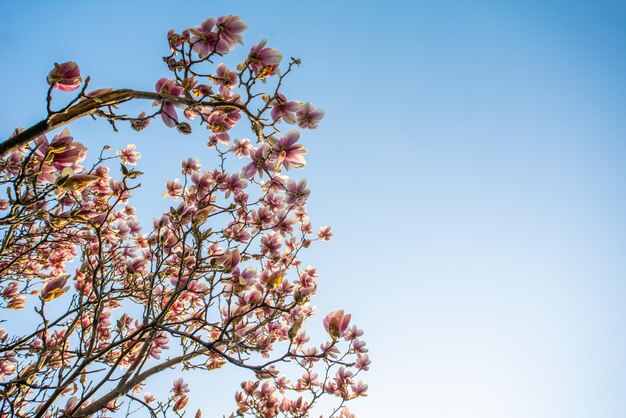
(126, 387)
(89, 106)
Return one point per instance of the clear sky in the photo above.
(472, 163)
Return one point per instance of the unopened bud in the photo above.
(183, 128)
(293, 331)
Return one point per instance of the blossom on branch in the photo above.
(336, 323)
(287, 153)
(168, 109)
(263, 61)
(308, 117)
(206, 41)
(55, 288)
(282, 108)
(129, 155)
(65, 77)
(231, 28)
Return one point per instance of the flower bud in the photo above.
(183, 128)
(65, 77)
(54, 288)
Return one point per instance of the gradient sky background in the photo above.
(471, 163)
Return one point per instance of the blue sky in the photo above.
(471, 163)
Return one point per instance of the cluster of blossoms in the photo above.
(216, 280)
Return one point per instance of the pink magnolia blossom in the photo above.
(285, 224)
(168, 110)
(185, 36)
(241, 148)
(359, 347)
(230, 259)
(359, 389)
(307, 381)
(309, 117)
(233, 184)
(203, 181)
(271, 243)
(174, 40)
(273, 202)
(65, 77)
(282, 108)
(141, 122)
(353, 332)
(237, 233)
(297, 192)
(179, 387)
(336, 323)
(67, 153)
(258, 163)
(12, 294)
(149, 397)
(136, 265)
(7, 364)
(202, 90)
(219, 121)
(54, 288)
(362, 362)
(221, 138)
(262, 60)
(190, 166)
(11, 290)
(225, 78)
(206, 41)
(159, 344)
(287, 153)
(61, 153)
(346, 413)
(275, 183)
(18, 302)
(128, 155)
(173, 189)
(231, 28)
(324, 233)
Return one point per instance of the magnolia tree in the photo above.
(107, 306)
